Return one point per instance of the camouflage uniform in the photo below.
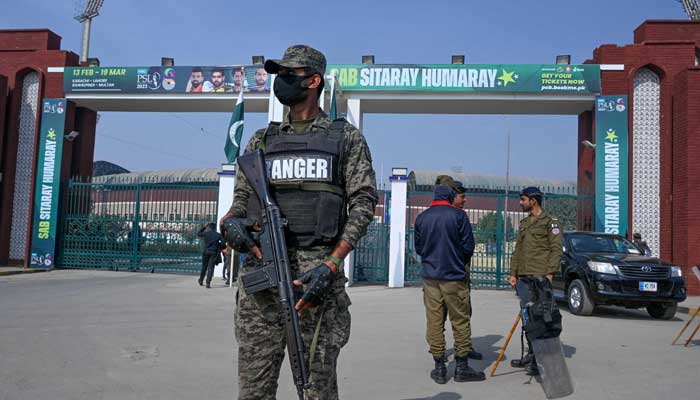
(259, 328)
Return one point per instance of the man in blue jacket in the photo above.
(445, 241)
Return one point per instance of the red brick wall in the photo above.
(667, 30)
(686, 174)
(22, 51)
(3, 104)
(667, 59)
(29, 40)
(84, 145)
(669, 48)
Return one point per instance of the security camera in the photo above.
(71, 136)
(588, 144)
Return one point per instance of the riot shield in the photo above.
(554, 374)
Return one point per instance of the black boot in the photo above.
(465, 373)
(532, 369)
(439, 374)
(523, 362)
(475, 355)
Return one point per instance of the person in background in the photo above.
(642, 244)
(459, 203)
(226, 270)
(212, 244)
(445, 241)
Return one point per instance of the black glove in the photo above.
(237, 233)
(319, 281)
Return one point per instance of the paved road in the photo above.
(118, 335)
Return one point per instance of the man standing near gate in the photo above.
(444, 240)
(212, 244)
(459, 202)
(537, 255)
(327, 207)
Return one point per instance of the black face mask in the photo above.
(288, 89)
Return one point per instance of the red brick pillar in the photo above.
(686, 174)
(84, 145)
(3, 110)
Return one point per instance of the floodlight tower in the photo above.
(85, 11)
(692, 8)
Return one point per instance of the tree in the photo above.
(565, 208)
(488, 227)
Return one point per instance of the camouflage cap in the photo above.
(298, 56)
(449, 181)
(444, 180)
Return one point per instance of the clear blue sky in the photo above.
(130, 32)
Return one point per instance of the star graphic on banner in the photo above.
(52, 134)
(611, 136)
(507, 77)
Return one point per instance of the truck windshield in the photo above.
(602, 244)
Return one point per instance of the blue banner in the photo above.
(47, 185)
(611, 164)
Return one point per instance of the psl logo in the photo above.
(53, 108)
(148, 78)
(620, 106)
(169, 79)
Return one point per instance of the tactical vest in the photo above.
(305, 176)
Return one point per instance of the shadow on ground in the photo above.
(625, 313)
(441, 396)
(486, 345)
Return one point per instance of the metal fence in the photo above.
(134, 224)
(371, 255)
(495, 229)
(152, 225)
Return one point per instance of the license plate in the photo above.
(647, 286)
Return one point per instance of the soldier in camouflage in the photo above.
(259, 329)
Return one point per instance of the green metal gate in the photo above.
(490, 264)
(371, 255)
(133, 224)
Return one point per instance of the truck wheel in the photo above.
(578, 299)
(662, 311)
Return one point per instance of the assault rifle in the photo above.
(275, 271)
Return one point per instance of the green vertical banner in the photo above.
(611, 164)
(47, 185)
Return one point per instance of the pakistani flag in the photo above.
(235, 132)
(334, 108)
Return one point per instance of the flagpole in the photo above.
(505, 206)
(333, 107)
(322, 99)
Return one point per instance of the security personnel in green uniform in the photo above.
(538, 252)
